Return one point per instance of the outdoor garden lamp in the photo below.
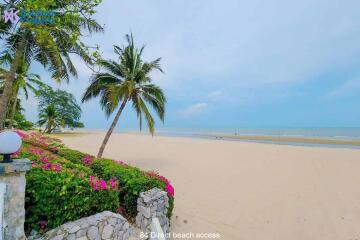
(10, 142)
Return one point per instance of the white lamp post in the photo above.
(10, 142)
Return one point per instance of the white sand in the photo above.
(248, 190)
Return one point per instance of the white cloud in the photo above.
(238, 45)
(195, 109)
(215, 94)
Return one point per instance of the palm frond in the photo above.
(99, 84)
(111, 66)
(149, 119)
(153, 95)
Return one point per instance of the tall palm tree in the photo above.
(51, 118)
(127, 80)
(49, 45)
(24, 81)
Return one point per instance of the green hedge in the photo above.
(71, 155)
(61, 197)
(132, 182)
(67, 195)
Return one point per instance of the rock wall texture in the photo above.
(153, 203)
(111, 226)
(101, 226)
(13, 175)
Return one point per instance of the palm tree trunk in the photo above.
(111, 129)
(46, 128)
(9, 81)
(12, 113)
(13, 109)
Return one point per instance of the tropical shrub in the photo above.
(66, 184)
(59, 190)
(132, 182)
(71, 155)
(58, 197)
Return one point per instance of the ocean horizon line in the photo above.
(324, 137)
(322, 132)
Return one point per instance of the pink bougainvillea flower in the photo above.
(165, 180)
(87, 160)
(34, 164)
(57, 168)
(93, 183)
(98, 183)
(21, 134)
(44, 160)
(121, 162)
(102, 184)
(16, 154)
(47, 166)
(92, 178)
(114, 183)
(168, 187)
(157, 176)
(36, 151)
(54, 149)
(43, 224)
(170, 190)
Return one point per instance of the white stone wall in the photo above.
(101, 226)
(153, 203)
(13, 175)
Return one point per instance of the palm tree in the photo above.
(49, 45)
(127, 80)
(51, 118)
(24, 81)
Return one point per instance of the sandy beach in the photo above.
(247, 190)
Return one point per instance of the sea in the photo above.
(352, 134)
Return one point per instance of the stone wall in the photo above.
(107, 225)
(150, 204)
(13, 175)
(101, 226)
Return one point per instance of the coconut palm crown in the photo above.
(127, 80)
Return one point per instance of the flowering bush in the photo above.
(66, 184)
(114, 183)
(22, 134)
(36, 151)
(73, 155)
(58, 190)
(59, 197)
(168, 187)
(87, 159)
(98, 183)
(131, 182)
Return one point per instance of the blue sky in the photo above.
(237, 64)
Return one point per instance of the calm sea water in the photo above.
(332, 133)
(325, 133)
(318, 133)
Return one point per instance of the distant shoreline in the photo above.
(284, 139)
(289, 140)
